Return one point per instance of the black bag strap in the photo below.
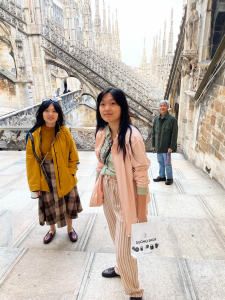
(38, 160)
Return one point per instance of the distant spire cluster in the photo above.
(81, 28)
(95, 33)
(160, 63)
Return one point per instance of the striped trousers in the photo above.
(126, 265)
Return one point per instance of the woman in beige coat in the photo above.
(123, 167)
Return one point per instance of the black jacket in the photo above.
(164, 133)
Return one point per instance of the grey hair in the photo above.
(164, 101)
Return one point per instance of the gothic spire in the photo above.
(170, 47)
(97, 26)
(144, 62)
(159, 48)
(156, 46)
(164, 42)
(109, 33)
(113, 36)
(104, 32)
(117, 39)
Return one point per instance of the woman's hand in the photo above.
(38, 193)
(141, 208)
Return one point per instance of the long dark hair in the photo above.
(125, 120)
(44, 105)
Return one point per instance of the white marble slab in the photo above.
(208, 278)
(44, 275)
(159, 277)
(179, 206)
(13, 225)
(61, 241)
(16, 199)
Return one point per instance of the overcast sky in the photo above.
(139, 19)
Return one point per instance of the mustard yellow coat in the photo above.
(65, 157)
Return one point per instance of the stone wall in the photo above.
(210, 142)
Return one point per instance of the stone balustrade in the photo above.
(26, 116)
(14, 137)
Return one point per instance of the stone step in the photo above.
(195, 238)
(44, 275)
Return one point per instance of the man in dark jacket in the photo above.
(164, 141)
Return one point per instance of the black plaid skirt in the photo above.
(55, 210)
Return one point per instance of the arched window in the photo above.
(218, 32)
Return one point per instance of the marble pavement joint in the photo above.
(86, 233)
(85, 277)
(153, 205)
(150, 173)
(180, 174)
(2, 212)
(12, 265)
(205, 206)
(29, 206)
(5, 192)
(179, 186)
(24, 235)
(217, 231)
(15, 180)
(190, 292)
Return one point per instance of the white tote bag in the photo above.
(144, 239)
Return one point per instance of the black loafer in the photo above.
(135, 298)
(109, 273)
(158, 179)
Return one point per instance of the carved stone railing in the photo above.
(104, 71)
(27, 115)
(13, 13)
(14, 138)
(84, 137)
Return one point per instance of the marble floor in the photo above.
(191, 223)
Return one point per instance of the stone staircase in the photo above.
(191, 223)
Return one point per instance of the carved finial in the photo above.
(164, 41)
(170, 46)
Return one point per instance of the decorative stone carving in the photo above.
(192, 29)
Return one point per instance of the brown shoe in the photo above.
(169, 181)
(159, 179)
(73, 236)
(49, 236)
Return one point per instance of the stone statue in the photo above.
(192, 28)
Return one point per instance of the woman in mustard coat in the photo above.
(51, 157)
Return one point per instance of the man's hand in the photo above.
(170, 150)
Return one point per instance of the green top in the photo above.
(108, 168)
(164, 133)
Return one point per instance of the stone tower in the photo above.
(164, 42)
(117, 40)
(97, 25)
(109, 33)
(170, 45)
(144, 62)
(104, 32)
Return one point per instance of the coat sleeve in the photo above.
(153, 135)
(33, 169)
(173, 142)
(140, 163)
(73, 155)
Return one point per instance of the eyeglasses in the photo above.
(53, 100)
